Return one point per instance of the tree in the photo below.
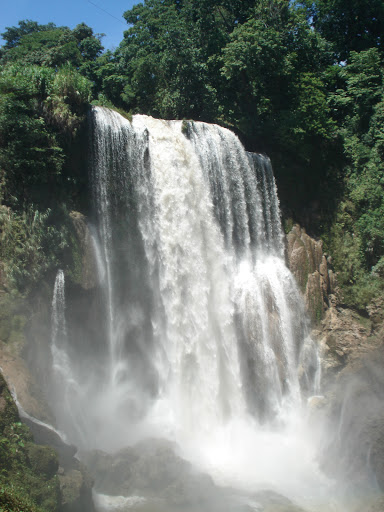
(29, 154)
(12, 35)
(40, 110)
(351, 25)
(274, 66)
(48, 45)
(357, 234)
(167, 73)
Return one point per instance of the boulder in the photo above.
(26, 468)
(270, 501)
(76, 491)
(43, 460)
(375, 505)
(75, 482)
(44, 434)
(151, 477)
(151, 469)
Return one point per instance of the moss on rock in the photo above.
(12, 318)
(28, 472)
(11, 501)
(43, 459)
(8, 409)
(76, 488)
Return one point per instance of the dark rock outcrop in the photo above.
(75, 482)
(27, 469)
(85, 266)
(76, 490)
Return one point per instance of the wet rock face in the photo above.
(23, 384)
(27, 469)
(151, 477)
(351, 411)
(375, 434)
(309, 265)
(345, 337)
(354, 438)
(76, 491)
(151, 470)
(85, 271)
(75, 481)
(376, 312)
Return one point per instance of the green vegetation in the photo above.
(43, 111)
(301, 81)
(28, 480)
(51, 46)
(356, 235)
(353, 25)
(30, 244)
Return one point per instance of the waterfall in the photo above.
(59, 346)
(205, 321)
(205, 338)
(65, 385)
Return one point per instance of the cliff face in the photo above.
(28, 472)
(310, 267)
(85, 266)
(25, 322)
(343, 334)
(352, 352)
(351, 413)
(25, 361)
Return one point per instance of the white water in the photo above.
(206, 337)
(59, 347)
(65, 384)
(23, 414)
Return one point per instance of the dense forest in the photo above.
(299, 81)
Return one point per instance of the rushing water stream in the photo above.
(206, 338)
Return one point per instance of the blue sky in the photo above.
(102, 15)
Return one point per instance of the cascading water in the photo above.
(59, 327)
(202, 215)
(63, 381)
(59, 347)
(206, 341)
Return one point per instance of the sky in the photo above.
(102, 15)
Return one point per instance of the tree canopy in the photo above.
(49, 45)
(353, 25)
(300, 80)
